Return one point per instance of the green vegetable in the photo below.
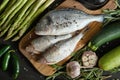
(10, 59)
(21, 15)
(16, 30)
(4, 50)
(6, 27)
(10, 17)
(6, 14)
(18, 15)
(110, 60)
(36, 6)
(39, 11)
(15, 65)
(5, 61)
(108, 33)
(5, 30)
(3, 5)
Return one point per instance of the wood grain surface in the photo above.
(94, 27)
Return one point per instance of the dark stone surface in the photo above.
(27, 71)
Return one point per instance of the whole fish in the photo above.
(64, 21)
(59, 51)
(40, 44)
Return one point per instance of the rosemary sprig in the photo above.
(115, 70)
(57, 67)
(92, 74)
(112, 15)
(52, 77)
(118, 3)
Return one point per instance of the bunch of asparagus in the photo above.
(16, 16)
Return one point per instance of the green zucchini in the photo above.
(107, 34)
(110, 60)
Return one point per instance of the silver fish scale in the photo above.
(64, 21)
(62, 16)
(62, 49)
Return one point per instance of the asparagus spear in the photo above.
(21, 14)
(4, 31)
(33, 11)
(8, 26)
(21, 32)
(12, 15)
(39, 11)
(10, 4)
(24, 28)
(6, 14)
(36, 6)
(14, 32)
(42, 8)
(3, 5)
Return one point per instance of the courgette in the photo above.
(110, 60)
(107, 34)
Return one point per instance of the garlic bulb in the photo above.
(73, 69)
(89, 59)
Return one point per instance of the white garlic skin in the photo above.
(73, 69)
(89, 59)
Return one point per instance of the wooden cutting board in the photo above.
(94, 27)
